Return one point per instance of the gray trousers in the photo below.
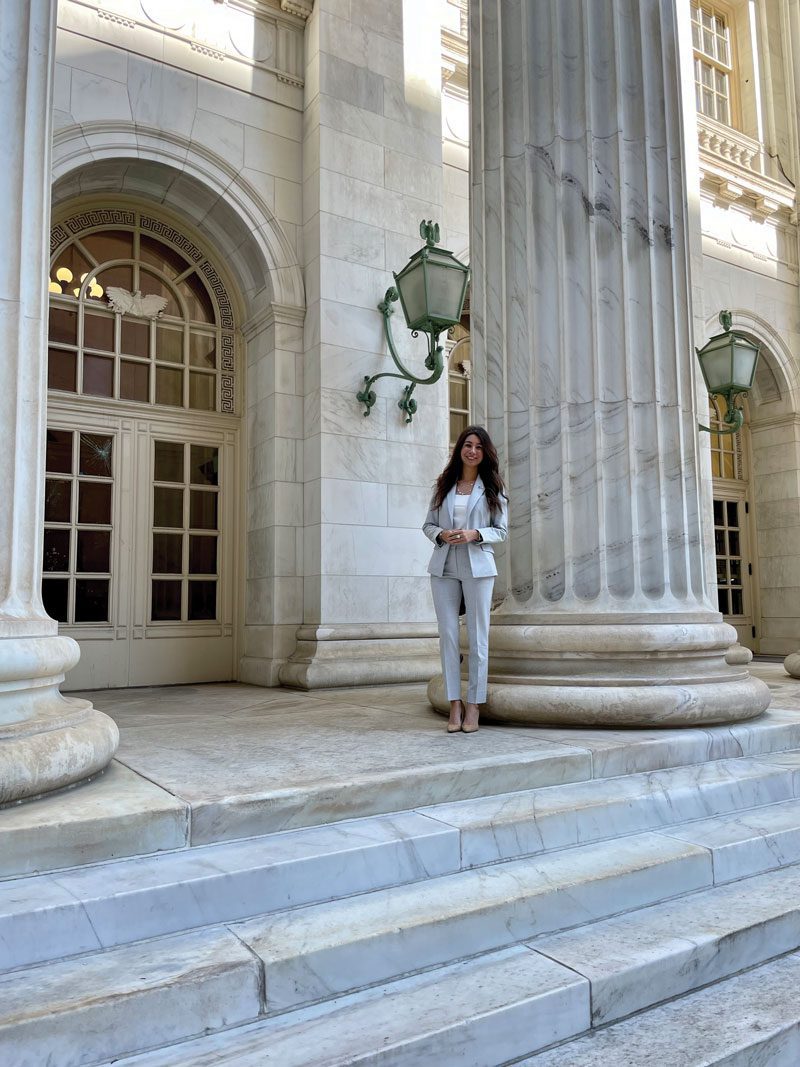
(477, 592)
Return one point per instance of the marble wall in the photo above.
(372, 158)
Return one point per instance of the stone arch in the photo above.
(193, 181)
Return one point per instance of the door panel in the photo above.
(139, 535)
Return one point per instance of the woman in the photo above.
(468, 514)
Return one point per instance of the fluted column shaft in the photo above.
(582, 352)
(46, 741)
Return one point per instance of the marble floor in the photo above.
(198, 764)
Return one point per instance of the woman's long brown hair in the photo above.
(488, 469)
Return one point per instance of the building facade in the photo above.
(231, 185)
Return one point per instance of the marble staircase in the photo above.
(638, 917)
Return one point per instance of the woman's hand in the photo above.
(459, 537)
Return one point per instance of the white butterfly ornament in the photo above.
(144, 307)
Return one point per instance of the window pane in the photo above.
(68, 269)
(722, 600)
(169, 344)
(167, 553)
(198, 303)
(459, 393)
(202, 350)
(94, 503)
(718, 513)
(166, 600)
(63, 325)
(733, 543)
(134, 381)
(737, 602)
(202, 600)
(202, 555)
(203, 510)
(61, 367)
(169, 387)
(135, 337)
(98, 331)
(98, 375)
(202, 390)
(204, 465)
(150, 284)
(168, 507)
(109, 244)
(96, 454)
(94, 551)
(169, 462)
(719, 542)
(59, 451)
(722, 572)
(728, 470)
(121, 276)
(56, 550)
(736, 571)
(732, 508)
(159, 255)
(55, 595)
(91, 600)
(57, 494)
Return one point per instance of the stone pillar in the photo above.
(583, 347)
(46, 740)
(372, 170)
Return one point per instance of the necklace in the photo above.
(466, 491)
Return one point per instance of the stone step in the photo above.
(314, 953)
(141, 996)
(748, 842)
(636, 960)
(122, 814)
(72, 912)
(83, 910)
(751, 1020)
(478, 1012)
(499, 1006)
(538, 820)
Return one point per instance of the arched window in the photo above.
(138, 318)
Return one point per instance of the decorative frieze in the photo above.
(266, 35)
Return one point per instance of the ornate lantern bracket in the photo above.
(431, 289)
(728, 362)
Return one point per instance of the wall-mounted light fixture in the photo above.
(431, 290)
(728, 363)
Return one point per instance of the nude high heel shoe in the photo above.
(469, 728)
(455, 728)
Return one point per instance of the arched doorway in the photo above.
(142, 482)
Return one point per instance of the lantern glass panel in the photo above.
(445, 288)
(715, 361)
(411, 284)
(744, 364)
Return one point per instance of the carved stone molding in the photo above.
(267, 36)
(301, 8)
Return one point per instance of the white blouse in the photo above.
(460, 512)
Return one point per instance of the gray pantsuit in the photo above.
(469, 569)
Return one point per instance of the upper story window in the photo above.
(713, 69)
(137, 314)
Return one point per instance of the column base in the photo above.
(331, 656)
(47, 741)
(615, 675)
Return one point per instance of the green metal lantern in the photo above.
(432, 285)
(431, 289)
(728, 363)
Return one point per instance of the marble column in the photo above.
(583, 351)
(46, 740)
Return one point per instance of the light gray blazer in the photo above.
(492, 528)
